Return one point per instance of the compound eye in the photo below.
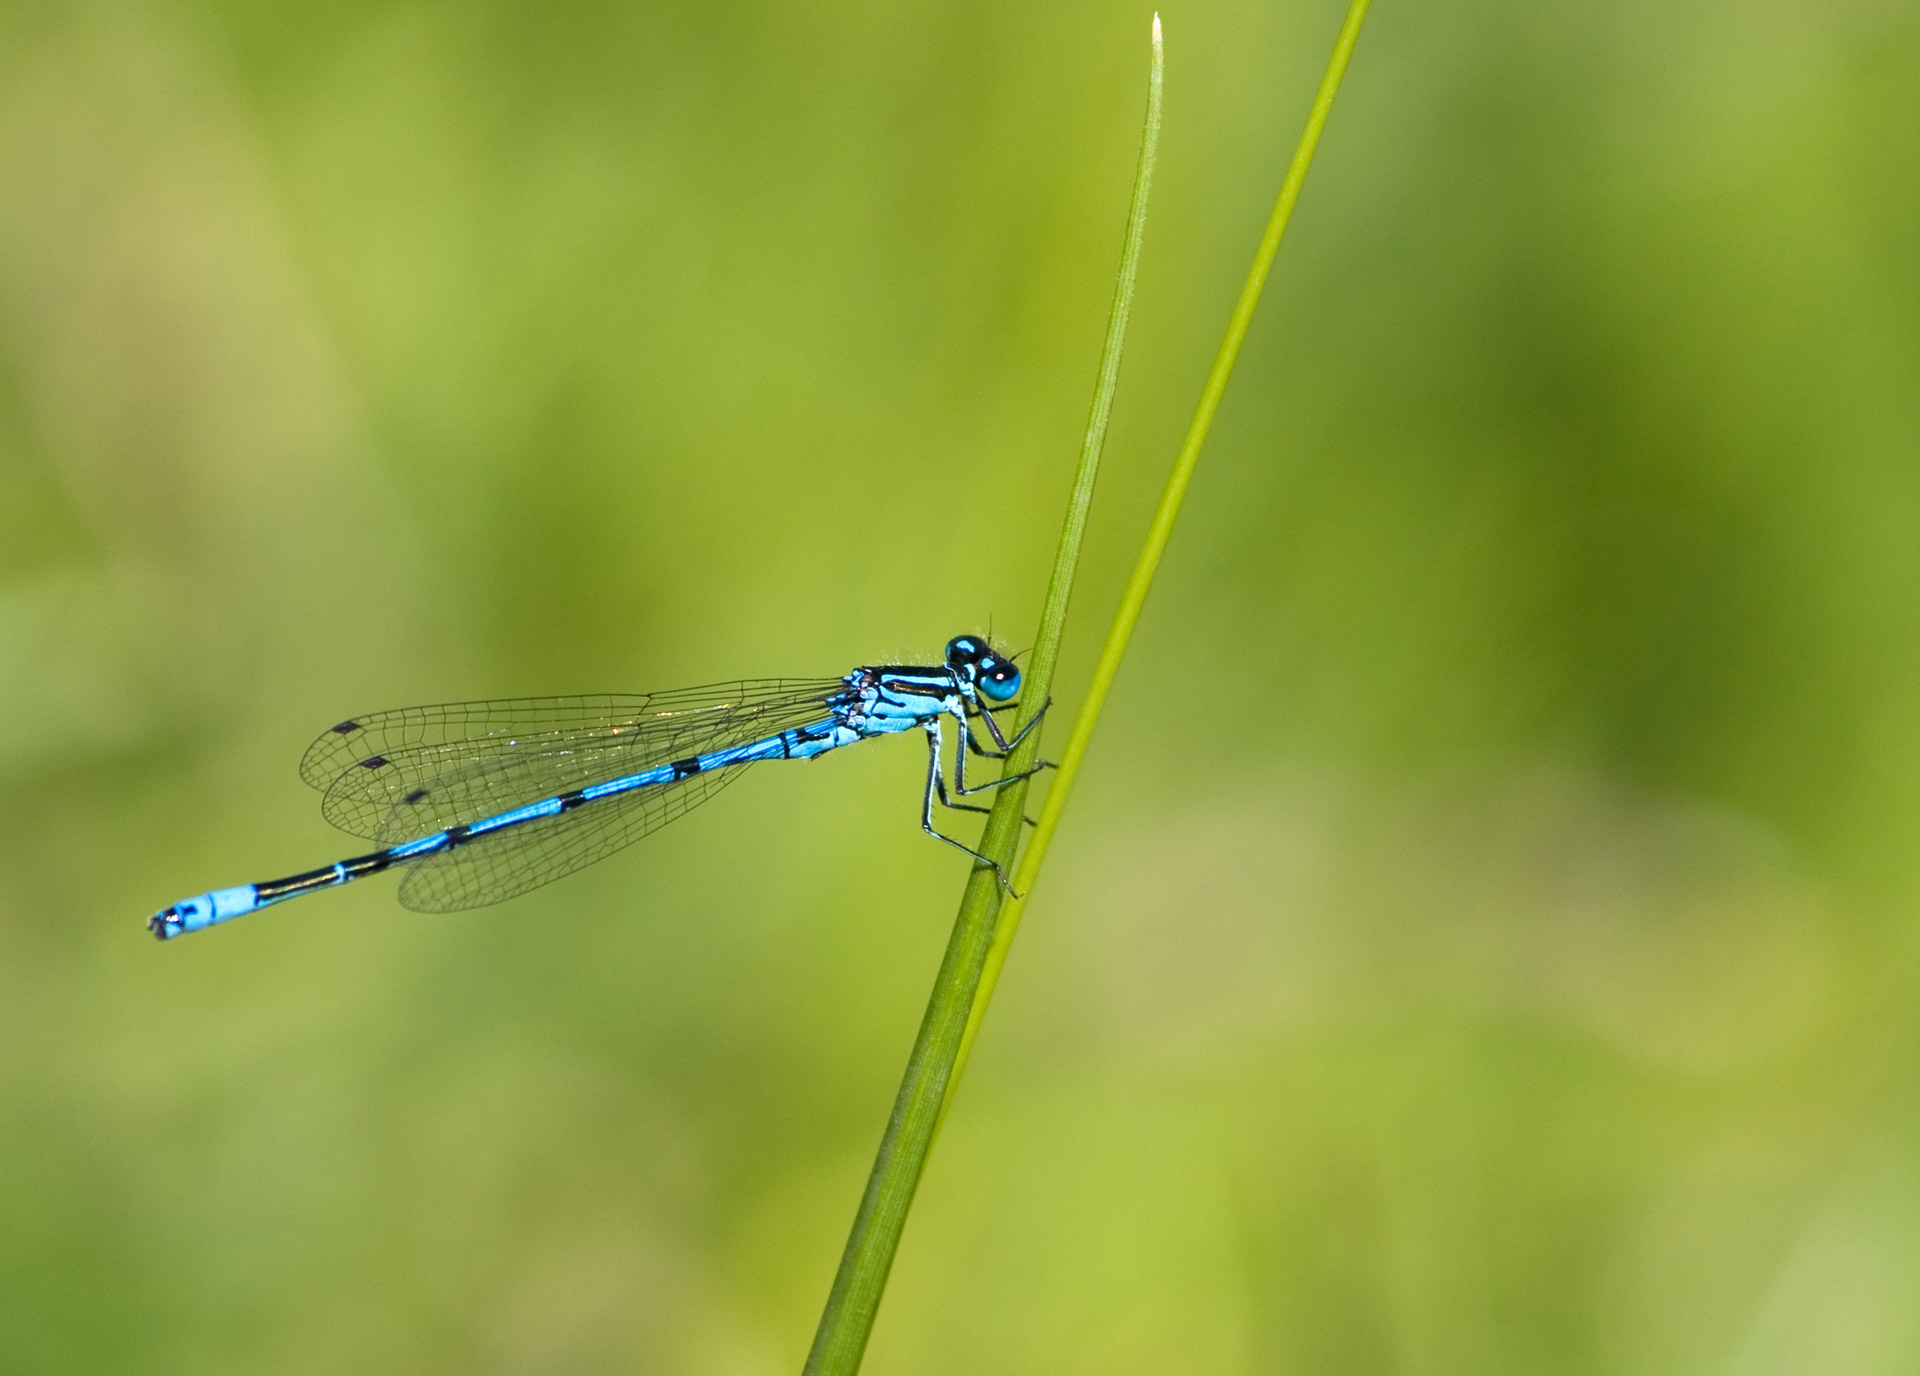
(963, 650)
(999, 679)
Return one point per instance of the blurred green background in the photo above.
(1484, 938)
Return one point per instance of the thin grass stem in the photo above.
(841, 1340)
(1134, 598)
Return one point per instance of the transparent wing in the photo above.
(399, 775)
(492, 868)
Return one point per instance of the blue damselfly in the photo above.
(481, 801)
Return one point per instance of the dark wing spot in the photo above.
(416, 795)
(346, 728)
(375, 762)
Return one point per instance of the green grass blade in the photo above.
(1141, 581)
(841, 1339)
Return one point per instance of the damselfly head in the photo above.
(994, 674)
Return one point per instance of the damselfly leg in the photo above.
(993, 729)
(947, 801)
(937, 789)
(960, 787)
